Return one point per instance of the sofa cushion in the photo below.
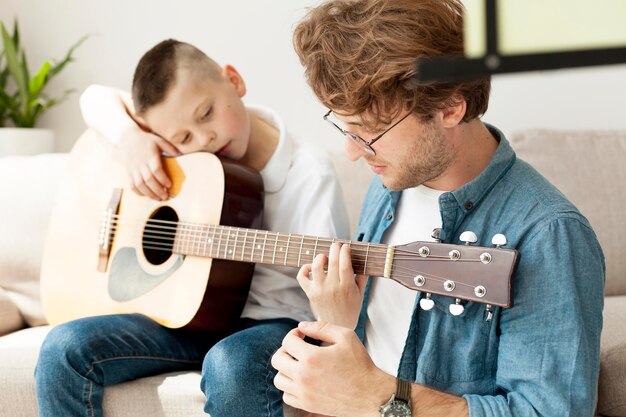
(168, 395)
(612, 385)
(175, 394)
(11, 319)
(591, 172)
(29, 186)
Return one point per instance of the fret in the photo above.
(228, 233)
(184, 238)
(315, 247)
(219, 242)
(367, 253)
(274, 253)
(196, 244)
(203, 238)
(212, 241)
(300, 251)
(256, 232)
(287, 249)
(235, 244)
(243, 250)
(263, 249)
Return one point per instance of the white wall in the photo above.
(255, 36)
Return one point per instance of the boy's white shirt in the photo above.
(302, 196)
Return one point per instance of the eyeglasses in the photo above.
(362, 143)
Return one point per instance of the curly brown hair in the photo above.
(359, 56)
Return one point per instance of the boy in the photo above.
(184, 102)
(438, 167)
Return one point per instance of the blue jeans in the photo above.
(78, 359)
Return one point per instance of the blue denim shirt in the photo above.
(541, 356)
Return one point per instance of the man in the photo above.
(438, 167)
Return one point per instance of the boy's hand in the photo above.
(140, 154)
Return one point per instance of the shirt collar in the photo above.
(275, 172)
(471, 193)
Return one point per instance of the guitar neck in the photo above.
(272, 248)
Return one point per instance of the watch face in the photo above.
(396, 409)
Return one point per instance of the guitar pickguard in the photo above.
(128, 280)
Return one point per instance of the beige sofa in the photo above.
(589, 167)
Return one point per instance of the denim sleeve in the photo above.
(549, 351)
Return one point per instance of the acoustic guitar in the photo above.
(188, 261)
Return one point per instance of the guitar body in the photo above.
(138, 272)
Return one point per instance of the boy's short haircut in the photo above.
(157, 69)
(359, 56)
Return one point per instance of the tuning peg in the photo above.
(427, 303)
(498, 240)
(468, 237)
(488, 313)
(457, 308)
(436, 233)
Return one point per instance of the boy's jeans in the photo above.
(78, 359)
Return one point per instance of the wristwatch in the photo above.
(399, 405)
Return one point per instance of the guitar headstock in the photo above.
(463, 272)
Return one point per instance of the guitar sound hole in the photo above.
(158, 235)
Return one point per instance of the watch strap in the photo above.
(403, 390)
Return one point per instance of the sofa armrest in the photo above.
(11, 317)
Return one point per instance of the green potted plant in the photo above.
(22, 97)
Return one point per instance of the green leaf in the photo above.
(39, 80)
(22, 98)
(68, 57)
(15, 66)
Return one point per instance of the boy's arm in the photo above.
(110, 112)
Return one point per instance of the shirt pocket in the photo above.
(455, 349)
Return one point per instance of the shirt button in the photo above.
(468, 205)
(389, 216)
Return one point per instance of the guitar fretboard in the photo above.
(260, 246)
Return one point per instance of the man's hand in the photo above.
(140, 154)
(338, 379)
(336, 296)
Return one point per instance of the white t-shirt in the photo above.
(417, 215)
(302, 196)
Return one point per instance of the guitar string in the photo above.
(277, 237)
(435, 278)
(373, 258)
(292, 251)
(403, 272)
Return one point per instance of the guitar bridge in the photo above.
(107, 229)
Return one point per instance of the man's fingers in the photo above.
(284, 363)
(319, 262)
(319, 330)
(361, 282)
(303, 277)
(295, 346)
(333, 255)
(345, 263)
